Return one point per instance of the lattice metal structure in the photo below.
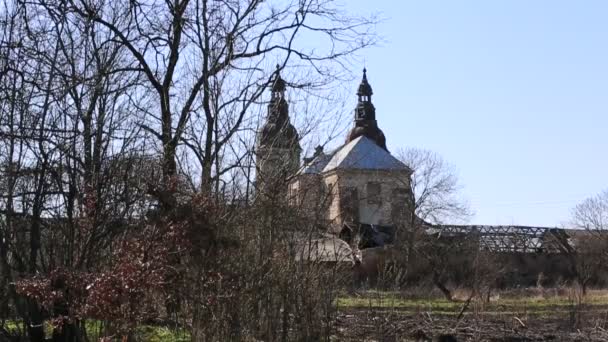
(511, 239)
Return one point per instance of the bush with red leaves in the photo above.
(134, 286)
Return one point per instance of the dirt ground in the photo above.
(550, 318)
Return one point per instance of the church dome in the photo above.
(275, 134)
(370, 131)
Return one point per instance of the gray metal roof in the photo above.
(364, 154)
(316, 165)
(330, 249)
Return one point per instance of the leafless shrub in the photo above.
(435, 198)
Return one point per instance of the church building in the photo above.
(359, 185)
(360, 189)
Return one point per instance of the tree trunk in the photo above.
(446, 292)
(35, 323)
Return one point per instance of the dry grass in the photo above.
(532, 301)
(558, 314)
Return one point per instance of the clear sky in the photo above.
(513, 93)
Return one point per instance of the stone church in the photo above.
(360, 189)
(358, 186)
(360, 196)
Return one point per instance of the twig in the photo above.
(464, 308)
(520, 322)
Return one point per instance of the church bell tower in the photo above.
(277, 147)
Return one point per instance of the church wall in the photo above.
(307, 194)
(371, 209)
(273, 168)
(333, 207)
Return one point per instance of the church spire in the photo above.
(278, 85)
(278, 109)
(365, 90)
(365, 108)
(278, 143)
(277, 130)
(365, 115)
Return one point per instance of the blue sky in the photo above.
(513, 93)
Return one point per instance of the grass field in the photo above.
(560, 314)
(517, 315)
(537, 303)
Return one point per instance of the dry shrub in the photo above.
(222, 271)
(253, 287)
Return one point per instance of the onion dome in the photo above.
(370, 131)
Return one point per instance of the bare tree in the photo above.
(435, 199)
(592, 213)
(435, 187)
(587, 249)
(100, 99)
(64, 124)
(206, 62)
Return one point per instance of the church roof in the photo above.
(363, 154)
(316, 165)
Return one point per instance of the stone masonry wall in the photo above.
(375, 210)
